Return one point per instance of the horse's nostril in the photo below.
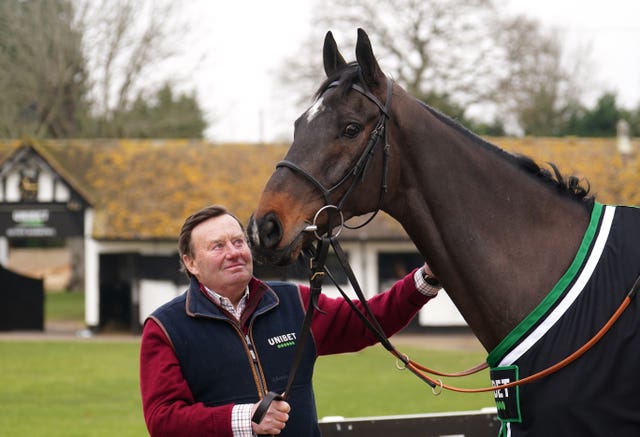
(270, 231)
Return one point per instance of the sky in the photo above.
(240, 44)
(244, 42)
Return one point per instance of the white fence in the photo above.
(480, 423)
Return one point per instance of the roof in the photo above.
(144, 189)
(19, 150)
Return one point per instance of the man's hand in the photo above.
(274, 420)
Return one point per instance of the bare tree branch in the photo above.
(126, 39)
(42, 67)
(462, 51)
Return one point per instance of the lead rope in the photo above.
(315, 284)
(372, 323)
(438, 385)
(318, 270)
(566, 361)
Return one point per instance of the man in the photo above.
(209, 356)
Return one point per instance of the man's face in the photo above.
(221, 257)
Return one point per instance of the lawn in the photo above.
(368, 383)
(69, 388)
(64, 306)
(90, 387)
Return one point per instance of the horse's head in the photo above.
(338, 158)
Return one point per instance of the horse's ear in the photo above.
(371, 72)
(333, 60)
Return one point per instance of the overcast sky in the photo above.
(244, 41)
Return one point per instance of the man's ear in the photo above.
(189, 264)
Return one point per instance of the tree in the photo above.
(43, 74)
(125, 42)
(539, 84)
(601, 120)
(423, 44)
(82, 68)
(634, 121)
(453, 54)
(163, 116)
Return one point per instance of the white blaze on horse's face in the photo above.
(317, 107)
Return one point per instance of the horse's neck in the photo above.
(497, 239)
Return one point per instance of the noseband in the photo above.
(357, 171)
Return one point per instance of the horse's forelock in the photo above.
(345, 77)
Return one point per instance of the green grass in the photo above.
(90, 388)
(64, 306)
(69, 389)
(367, 383)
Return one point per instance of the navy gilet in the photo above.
(216, 360)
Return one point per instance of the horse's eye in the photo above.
(352, 130)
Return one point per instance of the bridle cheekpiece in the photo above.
(356, 173)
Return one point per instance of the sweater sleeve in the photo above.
(167, 402)
(338, 328)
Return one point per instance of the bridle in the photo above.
(318, 257)
(319, 270)
(357, 171)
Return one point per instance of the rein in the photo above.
(318, 271)
(423, 372)
(315, 284)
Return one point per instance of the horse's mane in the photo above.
(571, 186)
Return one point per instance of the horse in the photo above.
(535, 265)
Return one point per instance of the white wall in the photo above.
(363, 257)
(144, 294)
(155, 293)
(438, 312)
(441, 311)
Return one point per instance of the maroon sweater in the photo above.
(168, 404)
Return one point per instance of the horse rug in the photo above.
(599, 393)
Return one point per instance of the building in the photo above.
(117, 207)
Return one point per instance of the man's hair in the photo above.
(184, 239)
